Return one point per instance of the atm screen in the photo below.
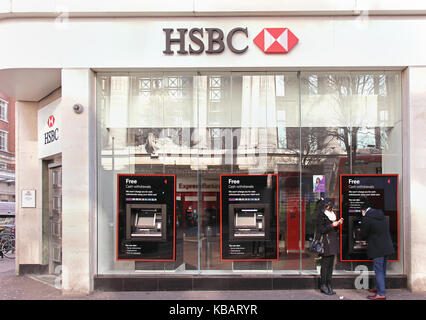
(248, 222)
(246, 218)
(145, 219)
(146, 222)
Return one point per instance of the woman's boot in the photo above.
(324, 289)
(330, 288)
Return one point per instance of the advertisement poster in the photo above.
(249, 217)
(382, 192)
(318, 183)
(146, 217)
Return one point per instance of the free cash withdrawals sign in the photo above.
(249, 217)
(146, 217)
(382, 192)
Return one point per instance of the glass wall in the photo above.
(199, 127)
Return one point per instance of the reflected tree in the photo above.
(343, 88)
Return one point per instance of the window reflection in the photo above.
(201, 126)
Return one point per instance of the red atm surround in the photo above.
(290, 186)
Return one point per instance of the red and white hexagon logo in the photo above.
(51, 121)
(276, 40)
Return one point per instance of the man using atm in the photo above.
(375, 229)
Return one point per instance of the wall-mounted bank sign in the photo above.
(214, 40)
(49, 130)
(28, 199)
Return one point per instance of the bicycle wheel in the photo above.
(8, 249)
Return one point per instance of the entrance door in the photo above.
(55, 216)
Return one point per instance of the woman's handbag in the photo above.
(317, 245)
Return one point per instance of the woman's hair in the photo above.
(320, 205)
(328, 203)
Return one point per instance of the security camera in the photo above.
(78, 108)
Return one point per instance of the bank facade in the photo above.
(186, 149)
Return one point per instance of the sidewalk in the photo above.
(35, 288)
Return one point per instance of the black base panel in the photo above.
(200, 283)
(32, 269)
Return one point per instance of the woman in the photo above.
(327, 225)
(317, 183)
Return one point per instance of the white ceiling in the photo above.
(29, 84)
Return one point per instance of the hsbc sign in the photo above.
(49, 130)
(53, 134)
(214, 40)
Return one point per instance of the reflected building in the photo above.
(7, 149)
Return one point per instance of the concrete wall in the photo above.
(416, 153)
(28, 220)
(77, 182)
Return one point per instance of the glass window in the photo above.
(3, 141)
(356, 118)
(3, 109)
(198, 127)
(7, 220)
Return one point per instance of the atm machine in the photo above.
(249, 222)
(146, 222)
(356, 243)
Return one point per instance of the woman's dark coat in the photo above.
(375, 229)
(330, 240)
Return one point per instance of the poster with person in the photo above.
(318, 183)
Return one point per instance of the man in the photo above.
(375, 229)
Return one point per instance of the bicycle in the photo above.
(7, 243)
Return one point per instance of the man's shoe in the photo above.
(324, 289)
(373, 290)
(330, 288)
(377, 297)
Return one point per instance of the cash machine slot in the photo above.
(249, 222)
(146, 222)
(356, 243)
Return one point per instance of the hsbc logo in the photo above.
(275, 40)
(215, 40)
(51, 135)
(51, 121)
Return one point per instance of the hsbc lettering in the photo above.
(214, 40)
(51, 136)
